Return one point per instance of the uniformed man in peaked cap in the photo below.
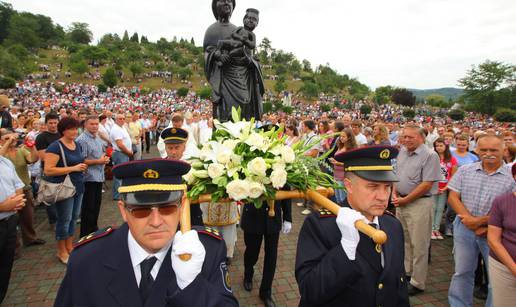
(175, 144)
(138, 264)
(338, 266)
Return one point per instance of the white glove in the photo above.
(287, 227)
(187, 243)
(350, 237)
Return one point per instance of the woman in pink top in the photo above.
(448, 168)
(345, 142)
(292, 134)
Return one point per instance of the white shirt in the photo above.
(161, 144)
(430, 139)
(109, 124)
(119, 133)
(138, 254)
(361, 139)
(103, 132)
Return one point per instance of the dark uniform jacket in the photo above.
(100, 273)
(7, 120)
(326, 277)
(257, 221)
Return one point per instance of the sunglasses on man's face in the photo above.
(141, 212)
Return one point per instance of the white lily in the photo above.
(234, 129)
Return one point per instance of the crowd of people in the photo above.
(455, 178)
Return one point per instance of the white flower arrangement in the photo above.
(247, 164)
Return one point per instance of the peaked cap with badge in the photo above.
(174, 135)
(151, 182)
(371, 163)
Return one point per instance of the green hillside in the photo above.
(447, 92)
(34, 44)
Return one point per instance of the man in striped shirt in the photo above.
(95, 157)
(472, 190)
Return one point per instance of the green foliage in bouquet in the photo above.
(241, 162)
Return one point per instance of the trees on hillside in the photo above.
(135, 69)
(135, 38)
(6, 11)
(15, 62)
(382, 94)
(109, 78)
(403, 97)
(489, 86)
(80, 33)
(310, 89)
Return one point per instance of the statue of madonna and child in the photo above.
(230, 66)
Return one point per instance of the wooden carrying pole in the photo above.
(318, 196)
(378, 236)
(185, 223)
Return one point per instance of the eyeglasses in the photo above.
(141, 212)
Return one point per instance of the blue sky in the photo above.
(409, 43)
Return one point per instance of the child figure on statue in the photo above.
(243, 40)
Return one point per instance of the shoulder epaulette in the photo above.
(93, 236)
(212, 232)
(325, 213)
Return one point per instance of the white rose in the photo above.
(278, 178)
(223, 157)
(257, 166)
(189, 177)
(288, 154)
(215, 170)
(255, 189)
(279, 165)
(238, 189)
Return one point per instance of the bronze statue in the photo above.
(231, 69)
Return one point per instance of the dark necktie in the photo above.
(374, 250)
(147, 281)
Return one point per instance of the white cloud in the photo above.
(412, 43)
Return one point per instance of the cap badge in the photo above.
(173, 130)
(385, 154)
(151, 174)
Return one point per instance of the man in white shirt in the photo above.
(192, 127)
(361, 139)
(431, 136)
(122, 150)
(109, 121)
(146, 126)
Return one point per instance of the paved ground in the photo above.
(36, 276)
